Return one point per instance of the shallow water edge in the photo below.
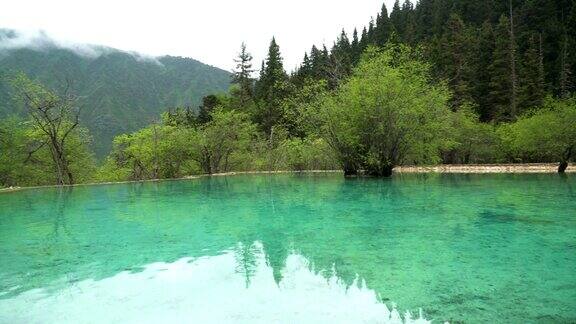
(443, 168)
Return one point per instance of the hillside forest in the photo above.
(440, 81)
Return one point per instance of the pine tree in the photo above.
(396, 18)
(532, 77)
(340, 61)
(564, 70)
(304, 72)
(319, 60)
(502, 70)
(355, 49)
(383, 27)
(272, 88)
(364, 40)
(408, 23)
(242, 75)
(455, 60)
(371, 35)
(209, 103)
(484, 54)
(424, 19)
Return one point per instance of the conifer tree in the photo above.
(396, 18)
(319, 61)
(364, 40)
(455, 60)
(408, 26)
(483, 56)
(502, 70)
(272, 88)
(242, 75)
(532, 77)
(340, 64)
(355, 49)
(384, 27)
(371, 35)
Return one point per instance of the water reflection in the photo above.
(237, 286)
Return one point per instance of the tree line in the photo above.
(443, 81)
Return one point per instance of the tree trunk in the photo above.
(562, 167)
(387, 171)
(384, 171)
(564, 163)
(350, 170)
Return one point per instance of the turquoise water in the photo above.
(293, 249)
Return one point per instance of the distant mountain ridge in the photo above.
(121, 91)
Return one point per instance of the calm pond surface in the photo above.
(293, 249)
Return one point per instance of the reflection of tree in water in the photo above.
(247, 255)
(60, 228)
(568, 181)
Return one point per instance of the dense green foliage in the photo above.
(502, 56)
(120, 92)
(385, 115)
(547, 134)
(443, 81)
(49, 147)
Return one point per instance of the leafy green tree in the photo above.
(55, 125)
(218, 145)
(180, 116)
(387, 114)
(546, 134)
(471, 140)
(209, 104)
(155, 152)
(310, 153)
(13, 151)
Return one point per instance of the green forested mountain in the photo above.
(119, 92)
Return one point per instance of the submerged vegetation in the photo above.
(491, 85)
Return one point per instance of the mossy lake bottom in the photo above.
(293, 248)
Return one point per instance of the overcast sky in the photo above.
(209, 30)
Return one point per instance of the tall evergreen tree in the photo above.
(319, 59)
(340, 64)
(209, 104)
(272, 88)
(484, 54)
(383, 27)
(532, 77)
(396, 18)
(355, 49)
(242, 75)
(364, 42)
(455, 63)
(408, 23)
(503, 74)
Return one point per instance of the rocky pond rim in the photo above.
(524, 168)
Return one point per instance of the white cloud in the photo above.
(210, 31)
